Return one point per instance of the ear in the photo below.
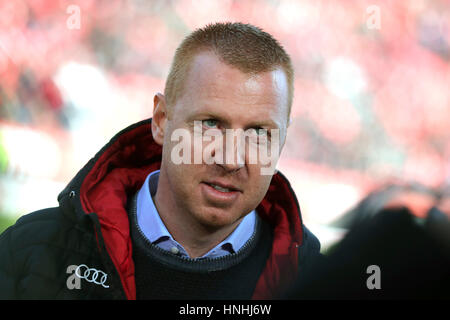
(159, 120)
(289, 122)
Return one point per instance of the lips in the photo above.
(222, 187)
(220, 194)
(219, 188)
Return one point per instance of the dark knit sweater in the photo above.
(163, 275)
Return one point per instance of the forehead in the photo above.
(213, 86)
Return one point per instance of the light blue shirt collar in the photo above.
(156, 232)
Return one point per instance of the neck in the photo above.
(196, 238)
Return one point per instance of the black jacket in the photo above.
(83, 249)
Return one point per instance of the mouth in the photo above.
(220, 194)
(222, 187)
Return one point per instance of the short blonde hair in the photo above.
(243, 46)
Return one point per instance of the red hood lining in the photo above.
(120, 171)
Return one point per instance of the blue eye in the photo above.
(261, 131)
(210, 123)
(259, 136)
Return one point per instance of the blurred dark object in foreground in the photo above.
(392, 231)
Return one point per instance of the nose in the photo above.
(236, 162)
(234, 151)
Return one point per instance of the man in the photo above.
(136, 222)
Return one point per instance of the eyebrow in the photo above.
(254, 124)
(268, 123)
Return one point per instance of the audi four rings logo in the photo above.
(82, 271)
(91, 275)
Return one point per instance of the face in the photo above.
(219, 97)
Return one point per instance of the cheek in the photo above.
(183, 185)
(258, 182)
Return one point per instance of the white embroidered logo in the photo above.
(84, 272)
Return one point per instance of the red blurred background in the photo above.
(371, 106)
